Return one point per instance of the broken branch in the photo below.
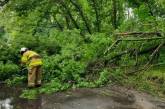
(138, 33)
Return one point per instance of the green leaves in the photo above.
(143, 12)
(85, 5)
(103, 78)
(7, 70)
(39, 17)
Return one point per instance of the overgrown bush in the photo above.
(8, 70)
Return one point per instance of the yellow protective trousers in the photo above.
(34, 76)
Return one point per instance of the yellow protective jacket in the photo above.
(31, 58)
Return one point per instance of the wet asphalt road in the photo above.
(98, 98)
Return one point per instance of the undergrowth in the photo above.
(75, 61)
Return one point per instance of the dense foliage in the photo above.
(75, 39)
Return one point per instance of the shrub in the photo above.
(7, 70)
(103, 78)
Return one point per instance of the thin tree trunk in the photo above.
(67, 21)
(142, 39)
(82, 15)
(69, 14)
(114, 17)
(138, 33)
(59, 25)
(95, 6)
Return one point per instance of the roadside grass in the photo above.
(151, 81)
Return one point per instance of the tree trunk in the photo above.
(67, 22)
(59, 25)
(69, 14)
(114, 17)
(138, 33)
(82, 15)
(97, 23)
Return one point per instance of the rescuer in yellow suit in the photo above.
(33, 62)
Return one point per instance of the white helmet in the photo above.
(23, 49)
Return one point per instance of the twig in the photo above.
(109, 48)
(147, 65)
(154, 53)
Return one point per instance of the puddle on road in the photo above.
(6, 103)
(77, 99)
(9, 99)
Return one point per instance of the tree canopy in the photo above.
(89, 16)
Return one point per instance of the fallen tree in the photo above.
(151, 51)
(132, 39)
(138, 33)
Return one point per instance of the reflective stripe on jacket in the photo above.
(31, 58)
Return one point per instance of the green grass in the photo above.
(151, 81)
